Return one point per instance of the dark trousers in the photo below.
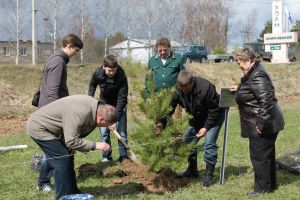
(210, 147)
(262, 154)
(59, 158)
(46, 172)
(122, 130)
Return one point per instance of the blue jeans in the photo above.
(122, 130)
(59, 158)
(210, 147)
(46, 172)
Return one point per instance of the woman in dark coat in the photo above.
(261, 119)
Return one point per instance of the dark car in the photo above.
(193, 53)
(259, 48)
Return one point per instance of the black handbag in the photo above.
(36, 98)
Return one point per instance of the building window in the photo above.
(6, 51)
(23, 51)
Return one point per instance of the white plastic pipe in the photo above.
(13, 147)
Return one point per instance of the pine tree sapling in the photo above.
(164, 150)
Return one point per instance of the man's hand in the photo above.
(158, 128)
(259, 131)
(112, 127)
(103, 146)
(201, 133)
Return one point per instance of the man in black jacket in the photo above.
(200, 99)
(113, 85)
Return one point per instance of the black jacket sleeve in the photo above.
(93, 84)
(122, 95)
(212, 100)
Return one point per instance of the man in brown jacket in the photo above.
(59, 129)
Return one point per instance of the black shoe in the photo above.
(207, 180)
(209, 174)
(188, 174)
(254, 194)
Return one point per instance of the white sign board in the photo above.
(277, 16)
(275, 38)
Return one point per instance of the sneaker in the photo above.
(254, 194)
(105, 159)
(46, 188)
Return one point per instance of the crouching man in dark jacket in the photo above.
(59, 129)
(200, 99)
(113, 85)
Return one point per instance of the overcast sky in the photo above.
(241, 9)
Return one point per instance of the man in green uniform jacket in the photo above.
(165, 66)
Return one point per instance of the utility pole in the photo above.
(82, 30)
(18, 34)
(55, 24)
(33, 33)
(128, 29)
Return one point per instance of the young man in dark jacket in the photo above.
(200, 99)
(113, 85)
(54, 87)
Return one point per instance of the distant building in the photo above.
(140, 50)
(8, 51)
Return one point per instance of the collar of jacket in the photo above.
(172, 54)
(194, 91)
(63, 55)
(94, 108)
(250, 71)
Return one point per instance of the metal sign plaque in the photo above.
(227, 98)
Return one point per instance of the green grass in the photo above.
(18, 181)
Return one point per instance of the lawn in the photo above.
(18, 181)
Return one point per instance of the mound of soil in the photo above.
(130, 172)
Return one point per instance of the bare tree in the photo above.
(85, 26)
(108, 10)
(50, 11)
(203, 25)
(128, 20)
(248, 29)
(13, 31)
(148, 19)
(169, 10)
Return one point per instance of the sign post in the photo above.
(277, 42)
(227, 100)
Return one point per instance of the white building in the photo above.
(140, 50)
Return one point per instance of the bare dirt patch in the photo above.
(130, 172)
(12, 125)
